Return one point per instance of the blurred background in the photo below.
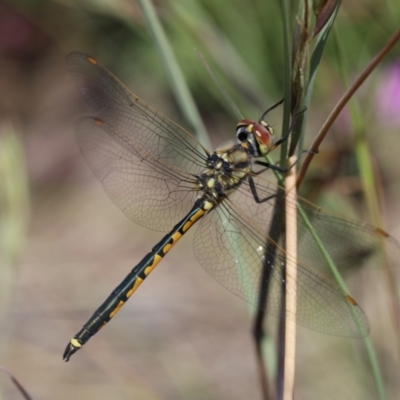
(64, 245)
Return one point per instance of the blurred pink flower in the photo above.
(388, 95)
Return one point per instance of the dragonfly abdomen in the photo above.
(135, 278)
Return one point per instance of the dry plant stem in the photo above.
(17, 383)
(343, 101)
(291, 281)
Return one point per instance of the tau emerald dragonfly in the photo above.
(161, 177)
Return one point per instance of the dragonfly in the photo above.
(162, 178)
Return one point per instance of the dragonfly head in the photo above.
(255, 136)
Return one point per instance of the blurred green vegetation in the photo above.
(242, 41)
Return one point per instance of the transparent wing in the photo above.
(232, 244)
(147, 165)
(145, 161)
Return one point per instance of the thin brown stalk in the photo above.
(291, 281)
(343, 101)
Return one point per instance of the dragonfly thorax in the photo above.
(226, 169)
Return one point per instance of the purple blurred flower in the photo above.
(388, 95)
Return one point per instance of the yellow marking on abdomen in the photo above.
(167, 247)
(198, 214)
(195, 217)
(156, 260)
(137, 283)
(116, 309)
(175, 237)
(76, 343)
(187, 225)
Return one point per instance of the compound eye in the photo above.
(243, 129)
(242, 133)
(263, 137)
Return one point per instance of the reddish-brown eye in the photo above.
(262, 135)
(256, 135)
(246, 122)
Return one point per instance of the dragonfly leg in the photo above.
(255, 194)
(290, 130)
(274, 167)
